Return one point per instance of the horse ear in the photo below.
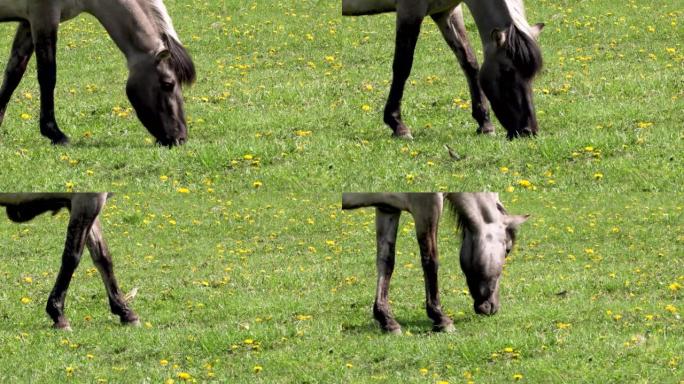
(499, 37)
(536, 29)
(162, 54)
(513, 222)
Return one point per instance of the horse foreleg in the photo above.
(426, 232)
(103, 262)
(79, 226)
(22, 49)
(453, 30)
(45, 41)
(408, 29)
(386, 225)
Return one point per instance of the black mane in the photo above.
(180, 60)
(524, 51)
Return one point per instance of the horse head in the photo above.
(483, 253)
(154, 90)
(512, 59)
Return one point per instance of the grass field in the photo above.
(278, 289)
(290, 95)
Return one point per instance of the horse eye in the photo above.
(167, 86)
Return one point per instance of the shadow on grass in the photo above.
(415, 326)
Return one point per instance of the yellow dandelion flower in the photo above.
(423, 371)
(258, 368)
(517, 376)
(169, 381)
(25, 300)
(257, 184)
(674, 287)
(183, 190)
(25, 116)
(525, 183)
(598, 176)
(510, 189)
(366, 108)
(28, 279)
(349, 365)
(561, 325)
(302, 133)
(163, 177)
(671, 308)
(304, 317)
(69, 371)
(184, 376)
(163, 362)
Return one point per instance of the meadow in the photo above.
(290, 94)
(279, 290)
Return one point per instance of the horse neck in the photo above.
(129, 25)
(477, 209)
(497, 14)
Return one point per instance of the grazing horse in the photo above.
(84, 230)
(488, 236)
(511, 57)
(158, 63)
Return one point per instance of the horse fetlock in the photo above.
(382, 315)
(50, 130)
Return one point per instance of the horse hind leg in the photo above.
(408, 29)
(22, 50)
(386, 225)
(453, 30)
(103, 262)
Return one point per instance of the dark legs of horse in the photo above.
(408, 29)
(426, 232)
(22, 49)
(453, 30)
(103, 261)
(386, 225)
(79, 225)
(45, 41)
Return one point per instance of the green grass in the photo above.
(295, 275)
(270, 70)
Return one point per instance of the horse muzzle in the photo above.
(486, 308)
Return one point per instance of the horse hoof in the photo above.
(446, 328)
(62, 141)
(63, 327)
(486, 129)
(134, 323)
(406, 135)
(393, 331)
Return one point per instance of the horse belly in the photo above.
(13, 9)
(437, 6)
(367, 7)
